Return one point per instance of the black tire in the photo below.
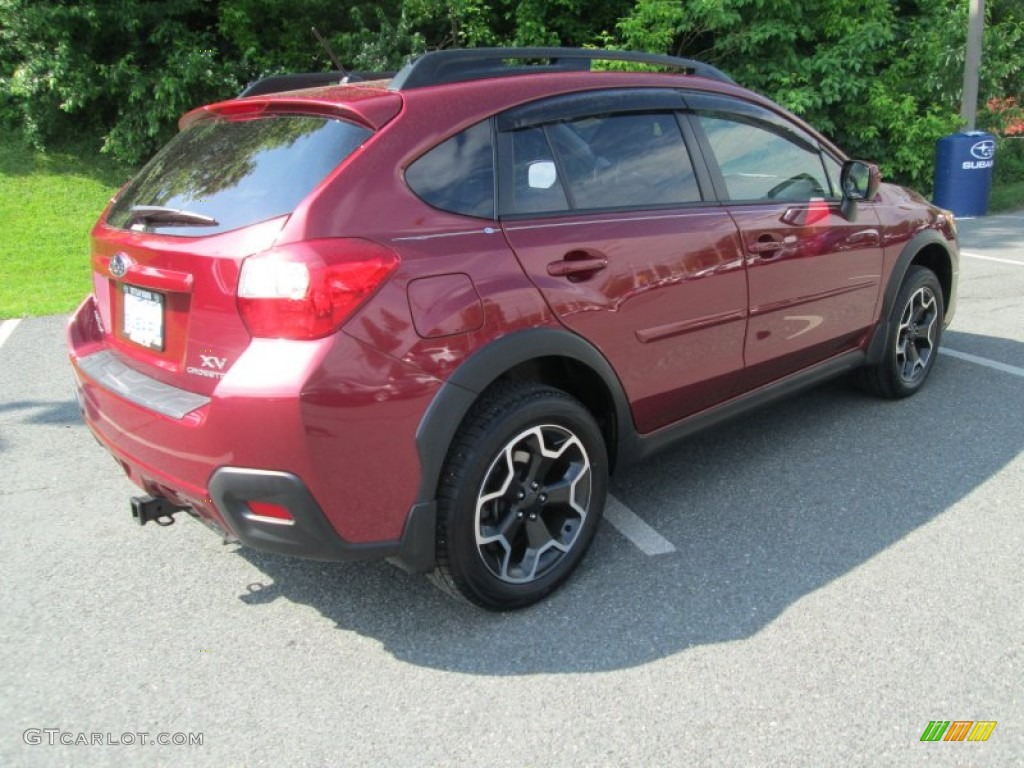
(521, 496)
(915, 330)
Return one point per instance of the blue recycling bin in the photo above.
(963, 172)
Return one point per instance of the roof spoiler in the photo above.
(294, 82)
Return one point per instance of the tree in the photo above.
(883, 79)
(121, 70)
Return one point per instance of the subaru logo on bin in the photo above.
(984, 150)
(963, 172)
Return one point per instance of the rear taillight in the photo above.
(308, 290)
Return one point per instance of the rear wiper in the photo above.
(168, 217)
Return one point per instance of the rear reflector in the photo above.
(308, 290)
(273, 511)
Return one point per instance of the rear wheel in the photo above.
(915, 331)
(521, 497)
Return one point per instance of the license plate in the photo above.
(144, 317)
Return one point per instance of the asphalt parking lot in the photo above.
(828, 576)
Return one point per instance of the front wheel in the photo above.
(521, 496)
(915, 331)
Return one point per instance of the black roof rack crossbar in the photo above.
(293, 82)
(461, 64)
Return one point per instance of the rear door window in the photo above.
(238, 172)
(627, 160)
(635, 160)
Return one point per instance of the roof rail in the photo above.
(293, 82)
(461, 64)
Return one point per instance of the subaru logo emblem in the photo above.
(119, 265)
(984, 150)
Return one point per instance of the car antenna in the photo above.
(330, 53)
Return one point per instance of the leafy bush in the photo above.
(1009, 167)
(117, 70)
(122, 72)
(882, 79)
(1005, 118)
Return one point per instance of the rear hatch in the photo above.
(168, 254)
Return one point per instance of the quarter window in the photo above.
(458, 174)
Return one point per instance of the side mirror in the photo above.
(541, 175)
(858, 181)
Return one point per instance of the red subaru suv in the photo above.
(425, 318)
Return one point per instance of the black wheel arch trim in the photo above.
(923, 239)
(458, 394)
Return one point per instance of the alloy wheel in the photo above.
(532, 504)
(916, 335)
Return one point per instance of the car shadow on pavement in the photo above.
(54, 413)
(49, 412)
(763, 511)
(1006, 351)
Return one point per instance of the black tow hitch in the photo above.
(160, 511)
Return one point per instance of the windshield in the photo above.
(237, 172)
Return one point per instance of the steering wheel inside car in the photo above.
(800, 187)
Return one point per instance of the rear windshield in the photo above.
(237, 172)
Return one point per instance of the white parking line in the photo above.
(970, 255)
(648, 540)
(7, 328)
(995, 364)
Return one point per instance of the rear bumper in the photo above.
(286, 425)
(308, 534)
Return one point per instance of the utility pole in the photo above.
(972, 64)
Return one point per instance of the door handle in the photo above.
(766, 244)
(577, 268)
(867, 237)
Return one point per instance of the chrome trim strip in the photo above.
(484, 231)
(113, 375)
(587, 222)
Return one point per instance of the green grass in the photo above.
(1007, 197)
(48, 204)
